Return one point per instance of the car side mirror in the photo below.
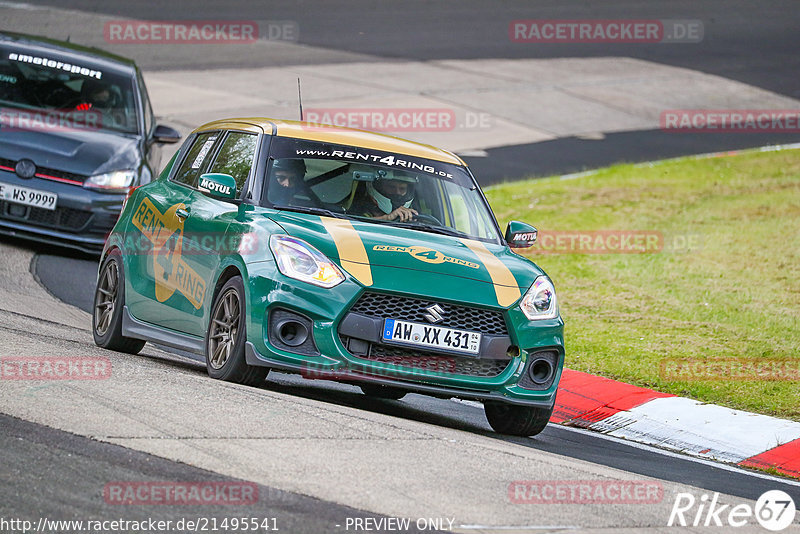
(520, 234)
(166, 134)
(220, 186)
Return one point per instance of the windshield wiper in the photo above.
(310, 210)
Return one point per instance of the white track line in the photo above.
(671, 454)
(663, 452)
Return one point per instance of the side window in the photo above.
(236, 157)
(195, 160)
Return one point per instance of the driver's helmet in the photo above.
(96, 93)
(295, 166)
(283, 188)
(392, 189)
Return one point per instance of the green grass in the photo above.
(735, 295)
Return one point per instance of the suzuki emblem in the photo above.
(435, 314)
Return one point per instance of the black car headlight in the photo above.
(111, 182)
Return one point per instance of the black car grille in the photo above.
(10, 163)
(432, 361)
(380, 306)
(61, 174)
(67, 219)
(411, 309)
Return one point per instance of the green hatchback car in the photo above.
(338, 254)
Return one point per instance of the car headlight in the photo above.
(117, 181)
(540, 301)
(299, 260)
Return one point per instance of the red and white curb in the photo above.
(677, 423)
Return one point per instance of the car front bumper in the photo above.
(327, 312)
(82, 218)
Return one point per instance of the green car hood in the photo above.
(388, 258)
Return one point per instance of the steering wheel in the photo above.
(428, 219)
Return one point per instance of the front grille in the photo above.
(10, 163)
(68, 219)
(432, 361)
(411, 309)
(379, 306)
(61, 174)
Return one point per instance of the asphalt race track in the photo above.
(755, 44)
(321, 454)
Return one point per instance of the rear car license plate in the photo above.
(438, 337)
(28, 197)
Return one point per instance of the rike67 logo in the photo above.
(774, 510)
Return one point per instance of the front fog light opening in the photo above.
(540, 371)
(291, 332)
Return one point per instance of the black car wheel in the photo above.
(109, 301)
(226, 336)
(516, 420)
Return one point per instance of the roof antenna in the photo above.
(300, 98)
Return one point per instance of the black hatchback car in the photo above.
(77, 134)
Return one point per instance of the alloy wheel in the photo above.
(224, 329)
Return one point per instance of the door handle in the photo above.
(182, 213)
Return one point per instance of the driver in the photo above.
(287, 184)
(98, 97)
(388, 197)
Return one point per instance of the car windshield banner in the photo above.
(293, 148)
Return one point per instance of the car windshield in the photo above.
(378, 187)
(49, 92)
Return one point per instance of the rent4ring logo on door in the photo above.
(164, 231)
(428, 255)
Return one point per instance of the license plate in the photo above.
(28, 197)
(438, 337)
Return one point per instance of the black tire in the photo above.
(380, 391)
(516, 420)
(109, 301)
(226, 336)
